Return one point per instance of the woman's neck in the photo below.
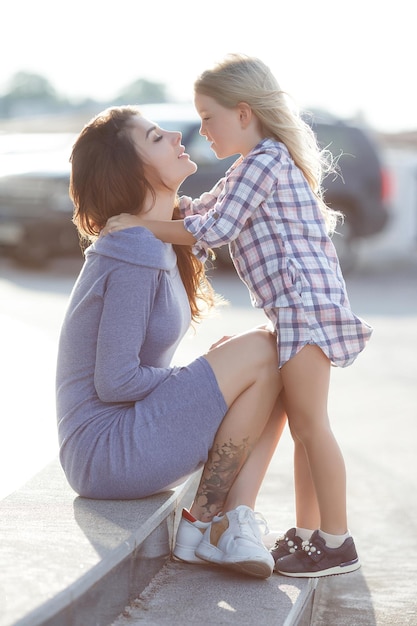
(161, 207)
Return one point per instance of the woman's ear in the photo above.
(245, 114)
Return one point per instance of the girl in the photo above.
(269, 208)
(131, 424)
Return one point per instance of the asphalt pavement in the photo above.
(373, 409)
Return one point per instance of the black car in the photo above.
(35, 210)
(360, 190)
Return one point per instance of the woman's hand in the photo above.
(267, 327)
(120, 222)
(220, 341)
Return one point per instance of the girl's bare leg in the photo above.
(307, 512)
(247, 373)
(306, 380)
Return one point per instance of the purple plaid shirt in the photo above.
(265, 210)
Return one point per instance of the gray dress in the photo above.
(130, 423)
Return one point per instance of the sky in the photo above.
(353, 59)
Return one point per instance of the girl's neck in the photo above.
(252, 138)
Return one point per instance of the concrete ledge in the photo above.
(71, 561)
(202, 594)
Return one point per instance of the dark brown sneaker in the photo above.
(287, 544)
(315, 559)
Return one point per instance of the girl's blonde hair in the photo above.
(108, 177)
(239, 78)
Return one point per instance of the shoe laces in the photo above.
(254, 521)
(261, 522)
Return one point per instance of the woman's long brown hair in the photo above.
(108, 178)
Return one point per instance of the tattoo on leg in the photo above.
(220, 471)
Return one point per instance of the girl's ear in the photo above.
(245, 114)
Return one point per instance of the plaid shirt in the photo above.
(265, 210)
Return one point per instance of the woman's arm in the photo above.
(128, 305)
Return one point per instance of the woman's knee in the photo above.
(256, 347)
(261, 356)
(262, 348)
(244, 360)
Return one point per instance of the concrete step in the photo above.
(197, 594)
(71, 561)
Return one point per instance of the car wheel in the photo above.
(32, 250)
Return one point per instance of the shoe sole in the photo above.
(193, 561)
(184, 554)
(249, 566)
(344, 568)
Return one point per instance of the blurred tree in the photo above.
(31, 86)
(142, 91)
(29, 93)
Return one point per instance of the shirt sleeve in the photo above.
(128, 300)
(204, 203)
(245, 188)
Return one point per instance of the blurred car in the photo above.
(362, 187)
(35, 210)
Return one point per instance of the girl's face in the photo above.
(162, 152)
(220, 126)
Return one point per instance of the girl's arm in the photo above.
(200, 206)
(169, 231)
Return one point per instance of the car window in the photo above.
(339, 139)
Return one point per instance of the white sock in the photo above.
(333, 541)
(304, 533)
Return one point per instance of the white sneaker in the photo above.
(239, 546)
(189, 535)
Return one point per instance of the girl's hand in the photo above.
(120, 222)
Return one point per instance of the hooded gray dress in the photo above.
(129, 423)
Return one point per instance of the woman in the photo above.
(130, 424)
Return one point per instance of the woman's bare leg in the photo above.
(247, 372)
(246, 486)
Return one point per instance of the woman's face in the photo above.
(162, 151)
